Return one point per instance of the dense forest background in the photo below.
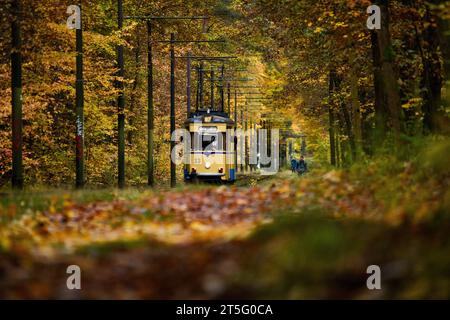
(368, 108)
(353, 92)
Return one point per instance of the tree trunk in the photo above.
(445, 47)
(134, 91)
(388, 111)
(344, 115)
(356, 112)
(444, 39)
(380, 107)
(348, 129)
(338, 148)
(331, 120)
(429, 43)
(367, 122)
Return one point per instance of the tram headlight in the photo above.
(207, 165)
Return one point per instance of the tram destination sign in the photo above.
(207, 129)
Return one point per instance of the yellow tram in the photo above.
(209, 159)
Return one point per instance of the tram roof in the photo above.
(215, 117)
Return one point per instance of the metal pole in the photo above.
(150, 111)
(188, 85)
(79, 138)
(173, 178)
(121, 105)
(221, 89)
(235, 123)
(255, 166)
(269, 134)
(242, 151)
(250, 142)
(264, 127)
(229, 98)
(201, 86)
(235, 106)
(246, 143)
(16, 102)
(197, 92)
(212, 89)
(290, 150)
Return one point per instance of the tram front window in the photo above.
(208, 142)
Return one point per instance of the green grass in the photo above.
(102, 249)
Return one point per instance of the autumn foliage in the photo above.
(367, 108)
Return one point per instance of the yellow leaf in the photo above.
(318, 30)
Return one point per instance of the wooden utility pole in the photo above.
(79, 107)
(188, 85)
(242, 144)
(229, 99)
(150, 111)
(256, 148)
(235, 125)
(16, 101)
(212, 88)
(173, 178)
(235, 107)
(121, 104)
(222, 74)
(200, 85)
(197, 88)
(246, 139)
(250, 149)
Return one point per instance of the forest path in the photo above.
(275, 237)
(170, 244)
